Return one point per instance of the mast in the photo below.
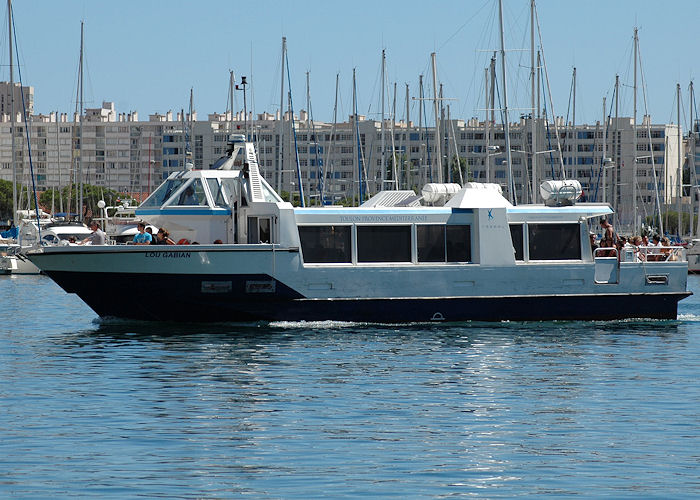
(12, 117)
(691, 159)
(616, 148)
(80, 156)
(382, 176)
(680, 159)
(634, 140)
(407, 175)
(533, 124)
(438, 152)
(602, 161)
(332, 142)
(420, 127)
(58, 161)
(281, 121)
(394, 172)
(511, 194)
(231, 80)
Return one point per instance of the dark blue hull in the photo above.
(217, 298)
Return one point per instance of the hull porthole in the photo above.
(437, 317)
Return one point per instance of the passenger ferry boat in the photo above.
(400, 257)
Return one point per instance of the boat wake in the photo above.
(321, 325)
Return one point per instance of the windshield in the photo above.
(162, 194)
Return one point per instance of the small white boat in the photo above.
(465, 255)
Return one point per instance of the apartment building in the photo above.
(121, 152)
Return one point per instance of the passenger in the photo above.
(142, 237)
(97, 237)
(218, 242)
(667, 252)
(188, 197)
(609, 238)
(163, 238)
(71, 240)
(149, 230)
(653, 252)
(639, 255)
(183, 241)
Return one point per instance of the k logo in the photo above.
(490, 215)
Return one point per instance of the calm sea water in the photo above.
(303, 410)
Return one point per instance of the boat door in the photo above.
(607, 267)
(259, 230)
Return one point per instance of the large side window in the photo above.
(325, 244)
(439, 243)
(554, 241)
(516, 236)
(458, 243)
(384, 243)
(431, 243)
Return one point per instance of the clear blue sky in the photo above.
(146, 55)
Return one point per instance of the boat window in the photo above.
(193, 194)
(437, 243)
(431, 243)
(264, 229)
(161, 195)
(384, 243)
(516, 236)
(458, 243)
(230, 188)
(325, 244)
(217, 192)
(253, 234)
(554, 241)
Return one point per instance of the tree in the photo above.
(5, 200)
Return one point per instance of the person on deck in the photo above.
(142, 237)
(97, 237)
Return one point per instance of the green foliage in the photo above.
(52, 198)
(5, 200)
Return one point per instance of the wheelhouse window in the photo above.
(217, 192)
(516, 236)
(162, 194)
(438, 243)
(554, 241)
(193, 194)
(326, 244)
(384, 243)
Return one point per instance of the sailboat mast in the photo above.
(680, 159)
(634, 140)
(533, 124)
(80, 156)
(395, 179)
(438, 152)
(12, 117)
(511, 194)
(487, 126)
(421, 179)
(602, 159)
(407, 164)
(230, 89)
(382, 176)
(281, 121)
